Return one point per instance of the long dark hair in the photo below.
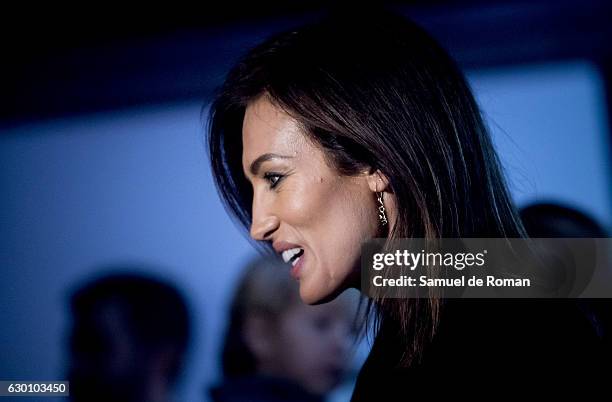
(375, 91)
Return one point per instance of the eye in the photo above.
(273, 178)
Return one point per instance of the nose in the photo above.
(264, 222)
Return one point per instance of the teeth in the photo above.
(296, 259)
(288, 255)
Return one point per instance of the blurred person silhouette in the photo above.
(128, 339)
(553, 220)
(276, 347)
(556, 220)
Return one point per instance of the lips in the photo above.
(280, 246)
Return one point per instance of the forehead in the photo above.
(267, 128)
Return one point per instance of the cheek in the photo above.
(299, 203)
(332, 216)
(328, 205)
(350, 223)
(339, 228)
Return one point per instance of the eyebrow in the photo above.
(256, 164)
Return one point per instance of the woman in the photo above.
(362, 127)
(279, 349)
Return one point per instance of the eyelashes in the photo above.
(273, 179)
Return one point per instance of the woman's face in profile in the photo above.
(314, 216)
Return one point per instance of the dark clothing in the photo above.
(261, 389)
(478, 338)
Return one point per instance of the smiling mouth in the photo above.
(292, 255)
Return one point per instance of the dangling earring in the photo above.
(381, 209)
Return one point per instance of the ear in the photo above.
(258, 335)
(377, 181)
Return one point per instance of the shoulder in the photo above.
(487, 336)
(513, 332)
